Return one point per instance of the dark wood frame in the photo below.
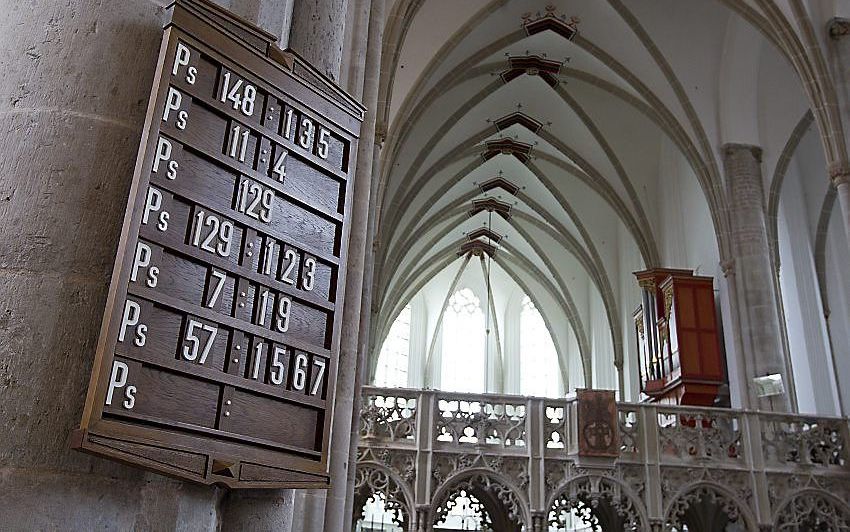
(251, 52)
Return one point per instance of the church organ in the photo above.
(678, 338)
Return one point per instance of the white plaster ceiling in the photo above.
(648, 92)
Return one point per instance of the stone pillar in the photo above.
(840, 178)
(368, 22)
(318, 33)
(539, 522)
(839, 59)
(73, 94)
(258, 511)
(423, 513)
(274, 16)
(763, 351)
(367, 156)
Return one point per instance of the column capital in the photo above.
(538, 521)
(839, 173)
(728, 267)
(732, 148)
(838, 27)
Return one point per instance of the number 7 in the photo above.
(317, 381)
(217, 290)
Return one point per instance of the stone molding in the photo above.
(839, 173)
(838, 28)
(732, 148)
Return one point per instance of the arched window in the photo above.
(539, 371)
(377, 516)
(392, 362)
(463, 367)
(462, 511)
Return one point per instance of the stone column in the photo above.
(274, 16)
(839, 58)
(73, 94)
(362, 81)
(367, 154)
(538, 521)
(318, 33)
(756, 298)
(840, 177)
(421, 524)
(258, 511)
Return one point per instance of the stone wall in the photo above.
(73, 94)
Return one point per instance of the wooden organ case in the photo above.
(678, 339)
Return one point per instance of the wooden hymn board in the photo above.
(218, 353)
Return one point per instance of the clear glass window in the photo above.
(539, 371)
(393, 360)
(464, 358)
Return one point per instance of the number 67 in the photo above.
(299, 373)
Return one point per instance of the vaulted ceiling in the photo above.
(593, 121)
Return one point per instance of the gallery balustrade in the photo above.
(705, 468)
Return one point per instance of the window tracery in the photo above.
(462, 510)
(704, 504)
(380, 514)
(380, 500)
(811, 510)
(594, 502)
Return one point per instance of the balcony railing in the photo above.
(763, 470)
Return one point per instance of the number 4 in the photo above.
(279, 168)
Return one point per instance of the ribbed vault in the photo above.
(589, 119)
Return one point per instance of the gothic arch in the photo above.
(693, 493)
(797, 509)
(582, 490)
(373, 477)
(496, 484)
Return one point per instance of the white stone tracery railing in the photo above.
(767, 471)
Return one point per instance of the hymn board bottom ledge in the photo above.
(204, 467)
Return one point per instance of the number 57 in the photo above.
(192, 354)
